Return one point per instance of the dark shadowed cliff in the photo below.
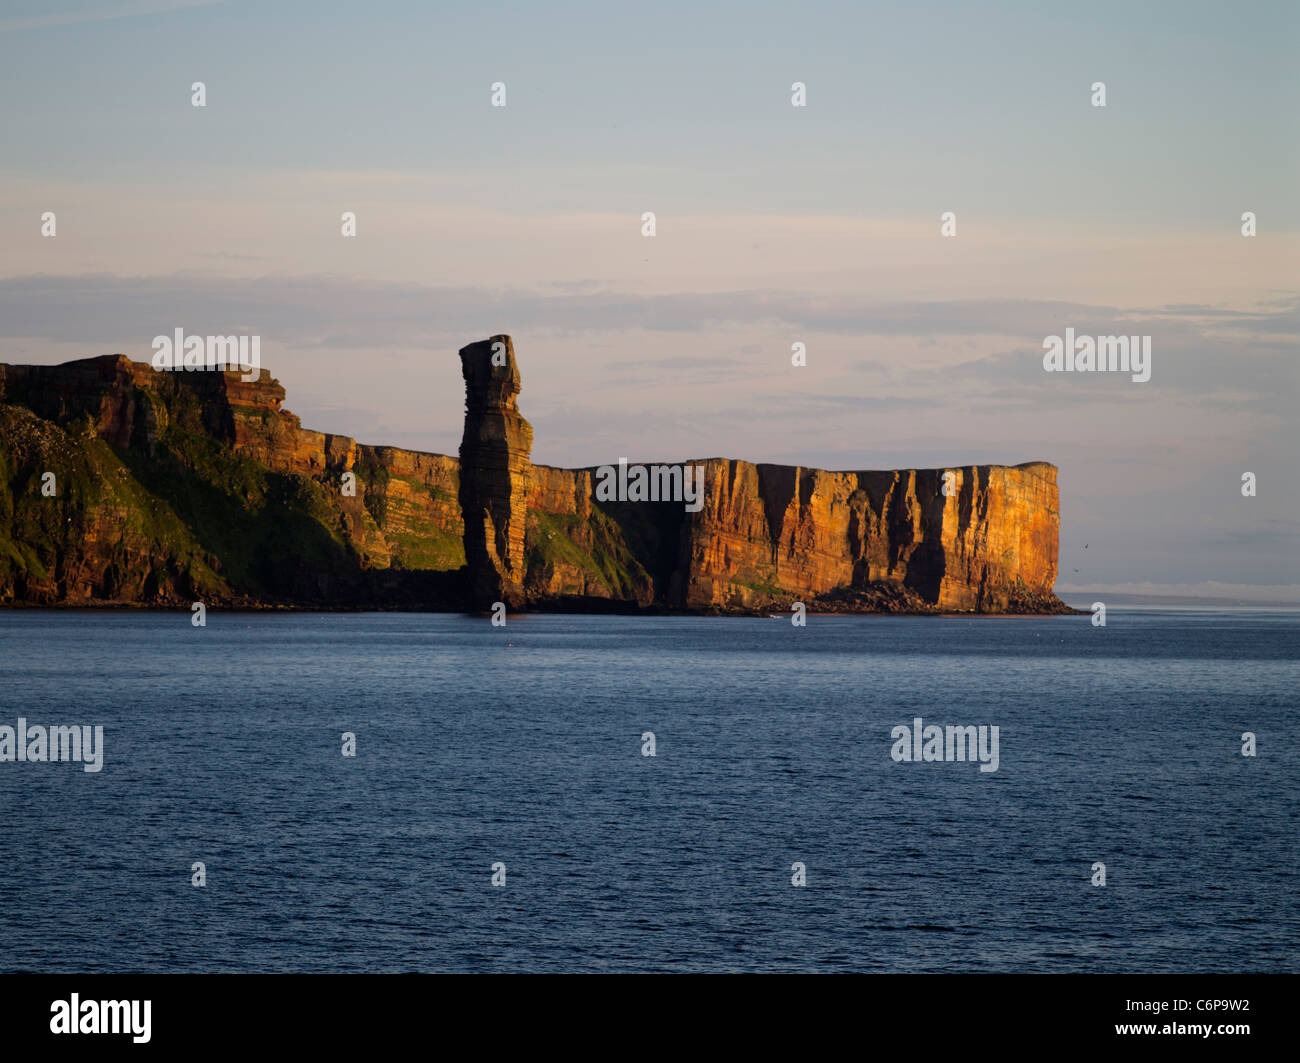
(170, 488)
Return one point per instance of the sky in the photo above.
(774, 225)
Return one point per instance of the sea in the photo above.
(501, 809)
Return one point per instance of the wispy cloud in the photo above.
(338, 311)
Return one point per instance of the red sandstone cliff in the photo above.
(990, 546)
(768, 535)
(765, 536)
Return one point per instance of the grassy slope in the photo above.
(193, 521)
(204, 521)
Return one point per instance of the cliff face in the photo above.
(580, 552)
(768, 531)
(175, 487)
(769, 535)
(179, 487)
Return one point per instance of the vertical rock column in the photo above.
(494, 474)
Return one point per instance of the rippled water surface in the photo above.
(523, 745)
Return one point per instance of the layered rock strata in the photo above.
(495, 474)
(179, 486)
(769, 535)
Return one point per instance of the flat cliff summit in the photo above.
(169, 488)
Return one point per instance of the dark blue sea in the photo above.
(523, 746)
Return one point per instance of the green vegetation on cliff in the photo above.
(178, 516)
(101, 534)
(567, 555)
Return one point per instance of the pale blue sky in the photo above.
(909, 103)
(776, 224)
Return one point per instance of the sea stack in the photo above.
(495, 474)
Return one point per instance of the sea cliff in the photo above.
(175, 487)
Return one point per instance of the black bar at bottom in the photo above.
(1238, 1013)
